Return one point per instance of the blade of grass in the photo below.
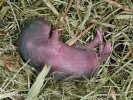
(51, 7)
(36, 87)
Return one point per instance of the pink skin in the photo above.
(42, 46)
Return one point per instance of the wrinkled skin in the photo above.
(39, 43)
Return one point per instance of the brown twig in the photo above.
(118, 5)
(75, 39)
(69, 5)
(77, 6)
(113, 94)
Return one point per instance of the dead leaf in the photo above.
(9, 62)
(2, 31)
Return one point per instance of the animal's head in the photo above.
(33, 36)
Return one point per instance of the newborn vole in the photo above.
(39, 43)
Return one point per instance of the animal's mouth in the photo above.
(51, 32)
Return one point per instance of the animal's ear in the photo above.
(54, 35)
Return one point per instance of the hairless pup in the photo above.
(40, 44)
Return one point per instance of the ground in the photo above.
(114, 79)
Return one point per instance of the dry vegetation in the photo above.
(115, 76)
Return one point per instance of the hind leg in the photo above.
(97, 41)
(106, 51)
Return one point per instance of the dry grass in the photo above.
(114, 77)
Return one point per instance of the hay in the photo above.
(114, 78)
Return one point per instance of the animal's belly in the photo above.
(73, 63)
